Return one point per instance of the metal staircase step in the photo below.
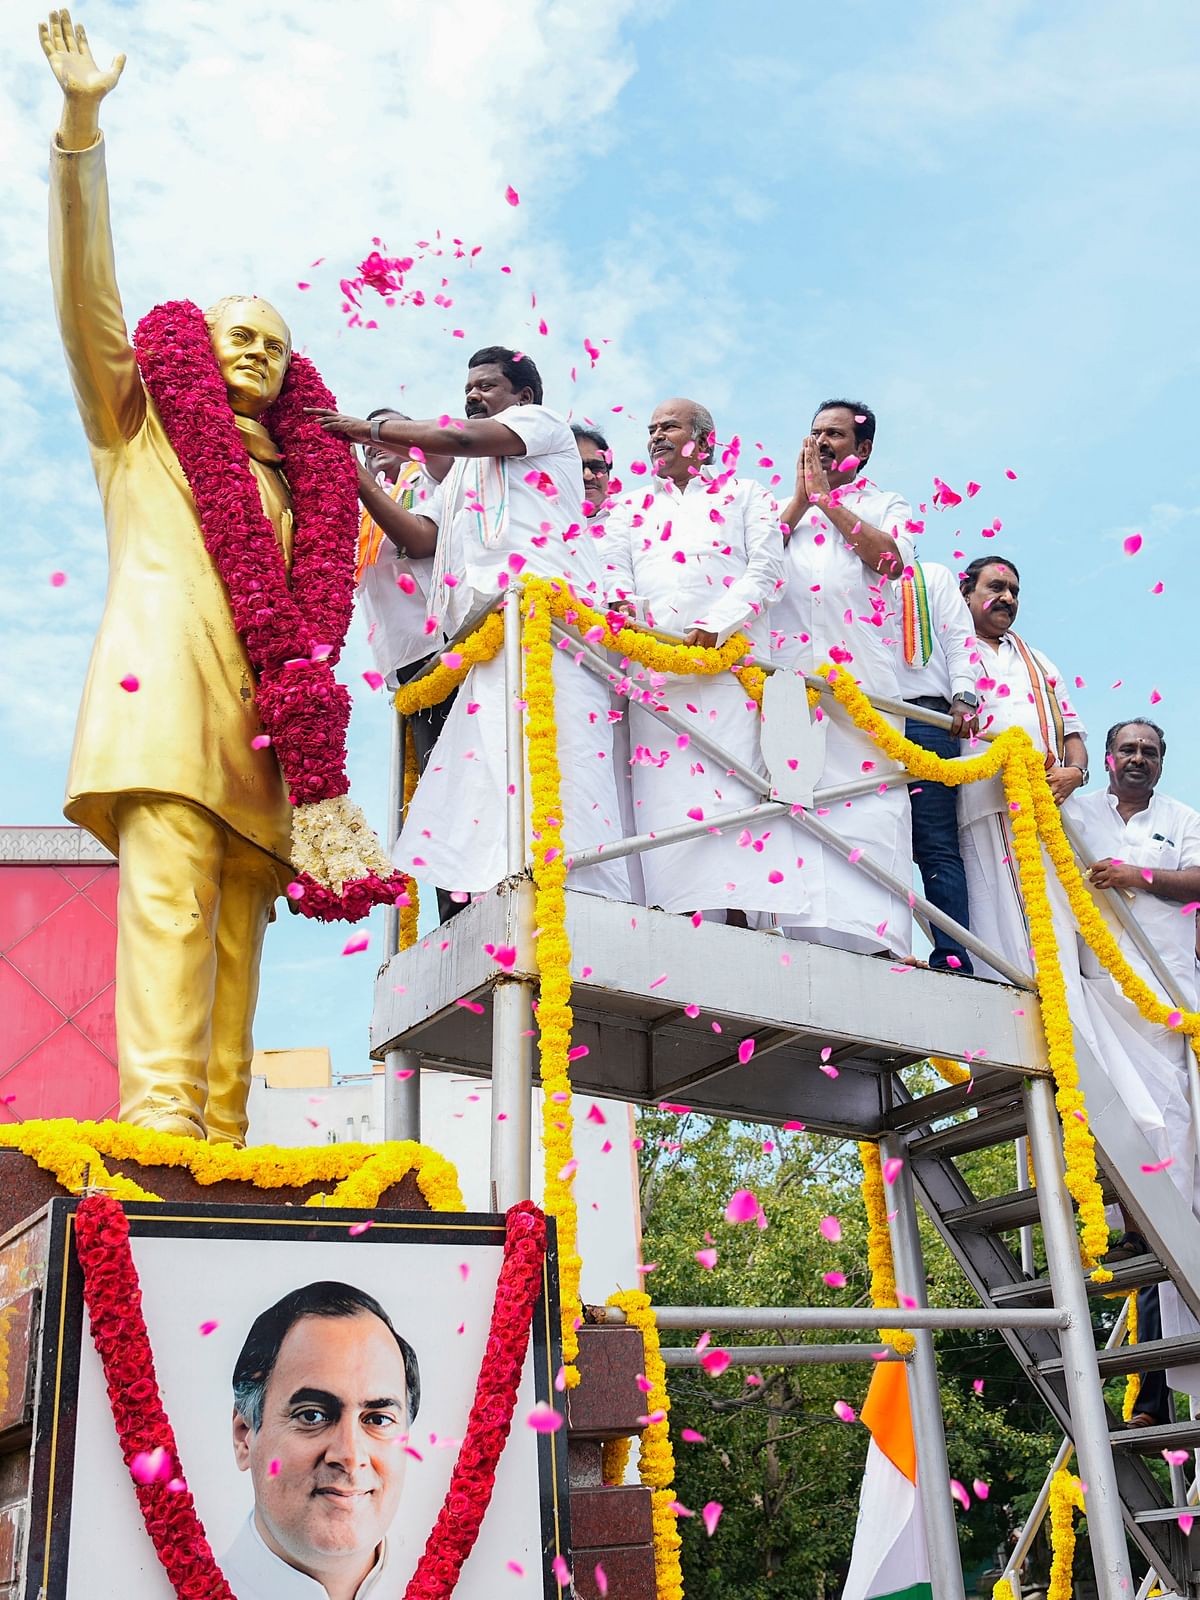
(980, 1132)
(980, 1091)
(1017, 1209)
(1153, 1441)
(1148, 1357)
(1126, 1275)
(1164, 1513)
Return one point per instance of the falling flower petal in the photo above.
(711, 1515)
(742, 1207)
(690, 1436)
(1133, 544)
(511, 195)
(843, 1412)
(892, 1168)
(130, 684)
(745, 1050)
(831, 1229)
(715, 1362)
(353, 946)
(707, 1259)
(544, 1419)
(960, 1494)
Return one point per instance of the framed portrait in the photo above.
(319, 1382)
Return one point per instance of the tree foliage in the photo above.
(786, 1470)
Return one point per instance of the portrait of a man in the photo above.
(325, 1391)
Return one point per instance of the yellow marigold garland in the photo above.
(659, 655)
(1066, 1492)
(410, 914)
(1079, 1148)
(1003, 1590)
(656, 1458)
(74, 1152)
(555, 1017)
(879, 1246)
(433, 688)
(614, 1460)
(1133, 1382)
(949, 1071)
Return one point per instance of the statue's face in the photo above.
(252, 346)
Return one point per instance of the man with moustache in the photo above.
(324, 1394)
(1146, 846)
(1018, 686)
(511, 503)
(849, 542)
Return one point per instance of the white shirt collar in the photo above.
(255, 1572)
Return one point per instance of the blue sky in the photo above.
(977, 218)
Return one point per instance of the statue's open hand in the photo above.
(71, 60)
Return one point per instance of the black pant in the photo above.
(1153, 1393)
(935, 838)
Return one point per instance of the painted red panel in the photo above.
(57, 1035)
(70, 957)
(27, 896)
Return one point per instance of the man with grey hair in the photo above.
(324, 1394)
(170, 769)
(699, 557)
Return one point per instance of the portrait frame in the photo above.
(235, 1258)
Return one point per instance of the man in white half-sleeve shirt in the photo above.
(849, 541)
(1146, 846)
(1018, 686)
(937, 672)
(511, 504)
(699, 555)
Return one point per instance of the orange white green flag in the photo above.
(889, 1560)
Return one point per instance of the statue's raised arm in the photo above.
(80, 79)
(103, 370)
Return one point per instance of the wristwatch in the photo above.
(969, 698)
(376, 424)
(1083, 772)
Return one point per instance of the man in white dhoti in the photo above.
(1146, 846)
(512, 503)
(1018, 686)
(937, 672)
(700, 555)
(849, 541)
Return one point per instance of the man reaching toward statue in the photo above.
(210, 720)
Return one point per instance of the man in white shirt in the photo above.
(595, 458)
(937, 672)
(849, 541)
(325, 1391)
(1146, 846)
(699, 554)
(1018, 686)
(512, 503)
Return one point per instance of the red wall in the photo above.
(58, 939)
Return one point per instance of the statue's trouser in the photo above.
(192, 909)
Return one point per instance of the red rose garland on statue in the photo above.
(293, 629)
(113, 1296)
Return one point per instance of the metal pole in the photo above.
(402, 1095)
(807, 1318)
(1028, 1263)
(789, 1355)
(1037, 1513)
(1085, 1396)
(395, 818)
(512, 1083)
(929, 1435)
(514, 738)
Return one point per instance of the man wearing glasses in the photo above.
(596, 459)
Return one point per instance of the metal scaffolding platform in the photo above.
(634, 973)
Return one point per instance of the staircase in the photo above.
(972, 1229)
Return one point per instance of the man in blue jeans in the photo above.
(938, 668)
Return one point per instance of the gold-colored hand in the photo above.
(82, 82)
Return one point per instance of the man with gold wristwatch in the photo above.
(170, 768)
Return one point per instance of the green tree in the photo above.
(785, 1468)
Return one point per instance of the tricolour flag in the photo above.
(889, 1561)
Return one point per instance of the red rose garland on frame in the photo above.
(293, 629)
(113, 1296)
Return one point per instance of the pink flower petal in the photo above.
(151, 1466)
(57, 579)
(711, 1515)
(843, 1412)
(130, 684)
(715, 1362)
(707, 1259)
(690, 1436)
(745, 1050)
(544, 1419)
(892, 1168)
(742, 1207)
(831, 1229)
(960, 1494)
(208, 1327)
(835, 1280)
(511, 195)
(353, 946)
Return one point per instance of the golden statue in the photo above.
(170, 767)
